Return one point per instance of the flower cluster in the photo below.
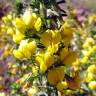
(89, 47)
(48, 53)
(52, 57)
(91, 77)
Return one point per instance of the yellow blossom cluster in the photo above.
(52, 56)
(91, 77)
(17, 26)
(88, 48)
(50, 60)
(26, 49)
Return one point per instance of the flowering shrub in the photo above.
(46, 60)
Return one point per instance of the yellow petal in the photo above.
(32, 46)
(43, 67)
(56, 37)
(92, 69)
(9, 16)
(64, 52)
(70, 58)
(92, 85)
(32, 91)
(52, 49)
(18, 38)
(29, 18)
(67, 40)
(48, 59)
(38, 24)
(5, 19)
(62, 85)
(66, 30)
(24, 49)
(56, 75)
(18, 54)
(10, 31)
(46, 38)
(19, 24)
(39, 59)
(75, 82)
(26, 52)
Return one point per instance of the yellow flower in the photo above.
(29, 18)
(48, 59)
(43, 67)
(74, 83)
(9, 16)
(86, 45)
(64, 52)
(10, 31)
(84, 60)
(5, 19)
(87, 53)
(26, 52)
(92, 85)
(18, 37)
(56, 75)
(70, 58)
(52, 48)
(22, 43)
(45, 60)
(4, 28)
(62, 85)
(46, 38)
(6, 52)
(90, 77)
(91, 19)
(90, 40)
(32, 46)
(32, 91)
(76, 63)
(67, 33)
(39, 58)
(67, 40)
(91, 69)
(40, 62)
(24, 67)
(38, 24)
(56, 36)
(19, 24)
(18, 54)
(35, 70)
(27, 48)
(94, 48)
(66, 30)
(68, 91)
(50, 37)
